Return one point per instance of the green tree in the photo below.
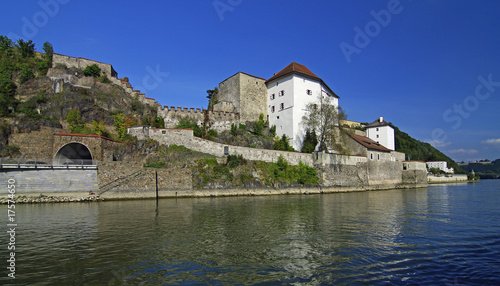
(26, 74)
(99, 128)
(92, 70)
(26, 48)
(5, 44)
(212, 98)
(259, 125)
(75, 122)
(323, 118)
(283, 144)
(310, 142)
(49, 51)
(120, 127)
(8, 102)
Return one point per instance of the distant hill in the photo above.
(421, 151)
(485, 171)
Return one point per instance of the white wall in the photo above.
(288, 121)
(383, 135)
(282, 119)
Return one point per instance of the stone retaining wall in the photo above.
(44, 181)
(185, 138)
(446, 180)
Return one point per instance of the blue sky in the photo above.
(430, 67)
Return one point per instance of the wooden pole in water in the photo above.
(156, 180)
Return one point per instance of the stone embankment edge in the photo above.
(199, 193)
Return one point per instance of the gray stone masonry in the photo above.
(42, 181)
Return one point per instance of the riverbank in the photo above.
(193, 193)
(37, 198)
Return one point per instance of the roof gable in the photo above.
(379, 123)
(296, 68)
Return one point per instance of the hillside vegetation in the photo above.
(28, 100)
(485, 171)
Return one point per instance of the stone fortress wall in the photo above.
(218, 120)
(242, 97)
(82, 63)
(244, 94)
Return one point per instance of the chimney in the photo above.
(380, 119)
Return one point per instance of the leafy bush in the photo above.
(30, 109)
(186, 123)
(158, 122)
(281, 171)
(76, 124)
(26, 74)
(104, 78)
(211, 134)
(10, 151)
(92, 70)
(283, 144)
(40, 98)
(234, 161)
(233, 129)
(156, 164)
(272, 130)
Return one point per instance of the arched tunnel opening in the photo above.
(73, 154)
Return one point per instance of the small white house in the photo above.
(289, 92)
(381, 132)
(441, 165)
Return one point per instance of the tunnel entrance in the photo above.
(73, 154)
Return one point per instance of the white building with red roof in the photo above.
(289, 92)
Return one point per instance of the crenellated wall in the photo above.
(218, 120)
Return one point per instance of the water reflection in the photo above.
(373, 237)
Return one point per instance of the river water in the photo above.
(441, 235)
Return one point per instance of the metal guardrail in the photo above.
(24, 163)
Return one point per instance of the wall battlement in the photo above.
(107, 69)
(218, 120)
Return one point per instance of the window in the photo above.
(378, 157)
(282, 92)
(272, 96)
(163, 132)
(272, 108)
(377, 135)
(282, 106)
(309, 92)
(371, 156)
(377, 128)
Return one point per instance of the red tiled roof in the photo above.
(302, 70)
(85, 135)
(368, 143)
(294, 68)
